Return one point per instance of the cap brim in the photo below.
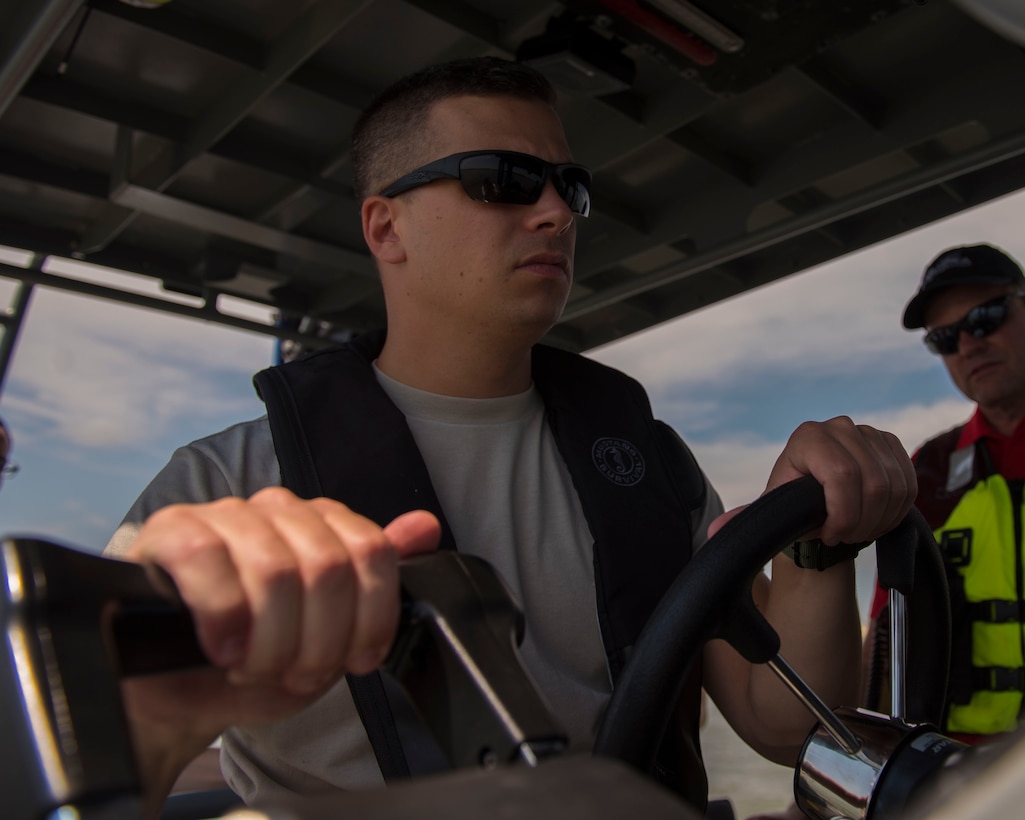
(914, 313)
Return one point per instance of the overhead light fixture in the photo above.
(700, 23)
(660, 26)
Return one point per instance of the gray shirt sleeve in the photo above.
(324, 746)
(237, 461)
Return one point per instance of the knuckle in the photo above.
(222, 507)
(329, 569)
(363, 539)
(169, 513)
(837, 425)
(375, 558)
(274, 567)
(232, 611)
(192, 544)
(227, 619)
(330, 507)
(175, 535)
(845, 471)
(807, 428)
(877, 489)
(172, 515)
(370, 548)
(892, 438)
(274, 496)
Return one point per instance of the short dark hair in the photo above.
(388, 139)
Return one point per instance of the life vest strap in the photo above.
(998, 679)
(995, 611)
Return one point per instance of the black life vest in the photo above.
(337, 434)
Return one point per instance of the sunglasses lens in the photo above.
(503, 177)
(985, 319)
(574, 186)
(494, 178)
(942, 341)
(520, 181)
(980, 322)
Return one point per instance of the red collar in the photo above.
(1007, 452)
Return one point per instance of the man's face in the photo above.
(478, 267)
(991, 370)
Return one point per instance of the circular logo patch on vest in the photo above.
(618, 460)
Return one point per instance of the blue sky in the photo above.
(100, 394)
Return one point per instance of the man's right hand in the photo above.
(287, 596)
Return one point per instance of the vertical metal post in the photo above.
(12, 321)
(898, 653)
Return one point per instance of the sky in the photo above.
(100, 393)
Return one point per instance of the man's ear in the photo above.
(379, 229)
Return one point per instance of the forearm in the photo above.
(159, 768)
(164, 741)
(815, 615)
(869, 485)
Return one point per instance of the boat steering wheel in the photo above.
(712, 598)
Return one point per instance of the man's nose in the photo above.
(551, 209)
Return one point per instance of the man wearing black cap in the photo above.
(971, 304)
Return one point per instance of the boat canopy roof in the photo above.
(205, 143)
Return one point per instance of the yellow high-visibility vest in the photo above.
(982, 538)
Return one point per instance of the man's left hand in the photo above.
(868, 478)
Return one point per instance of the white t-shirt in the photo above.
(508, 498)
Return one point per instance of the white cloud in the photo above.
(916, 423)
(97, 373)
(738, 467)
(817, 321)
(822, 319)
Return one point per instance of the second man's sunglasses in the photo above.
(504, 177)
(980, 321)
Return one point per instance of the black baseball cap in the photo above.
(967, 265)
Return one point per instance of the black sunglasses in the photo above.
(504, 177)
(979, 322)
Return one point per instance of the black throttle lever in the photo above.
(75, 623)
(455, 656)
